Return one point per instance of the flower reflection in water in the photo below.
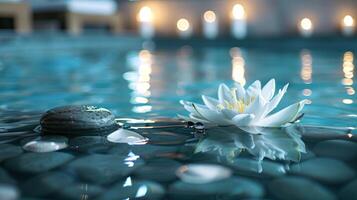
(272, 143)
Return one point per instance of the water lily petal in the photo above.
(257, 107)
(229, 114)
(224, 94)
(210, 102)
(253, 90)
(276, 100)
(282, 117)
(269, 90)
(189, 107)
(240, 91)
(126, 136)
(210, 115)
(243, 119)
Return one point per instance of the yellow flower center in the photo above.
(238, 105)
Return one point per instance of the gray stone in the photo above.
(8, 192)
(231, 188)
(78, 120)
(160, 170)
(148, 151)
(93, 144)
(326, 170)
(261, 169)
(349, 191)
(5, 177)
(37, 162)
(9, 151)
(298, 188)
(104, 169)
(339, 149)
(79, 191)
(129, 189)
(46, 184)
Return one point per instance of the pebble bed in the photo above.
(177, 162)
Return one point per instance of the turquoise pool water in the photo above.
(147, 84)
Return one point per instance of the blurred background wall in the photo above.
(265, 17)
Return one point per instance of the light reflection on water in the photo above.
(151, 83)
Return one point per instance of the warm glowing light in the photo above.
(306, 67)
(307, 92)
(145, 14)
(238, 64)
(183, 24)
(348, 20)
(347, 101)
(209, 16)
(306, 24)
(348, 68)
(238, 11)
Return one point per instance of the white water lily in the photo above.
(245, 107)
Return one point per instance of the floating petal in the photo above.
(126, 136)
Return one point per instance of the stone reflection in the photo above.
(139, 80)
(232, 142)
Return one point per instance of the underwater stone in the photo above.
(9, 151)
(104, 169)
(148, 151)
(78, 120)
(92, 144)
(349, 191)
(160, 170)
(231, 188)
(339, 149)
(37, 162)
(298, 188)
(78, 191)
(5, 177)
(45, 184)
(131, 189)
(255, 168)
(326, 170)
(8, 192)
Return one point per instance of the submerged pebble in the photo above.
(326, 170)
(46, 144)
(349, 191)
(9, 151)
(166, 168)
(298, 188)
(8, 192)
(231, 188)
(261, 169)
(339, 149)
(104, 169)
(202, 173)
(79, 191)
(131, 189)
(78, 120)
(46, 183)
(37, 162)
